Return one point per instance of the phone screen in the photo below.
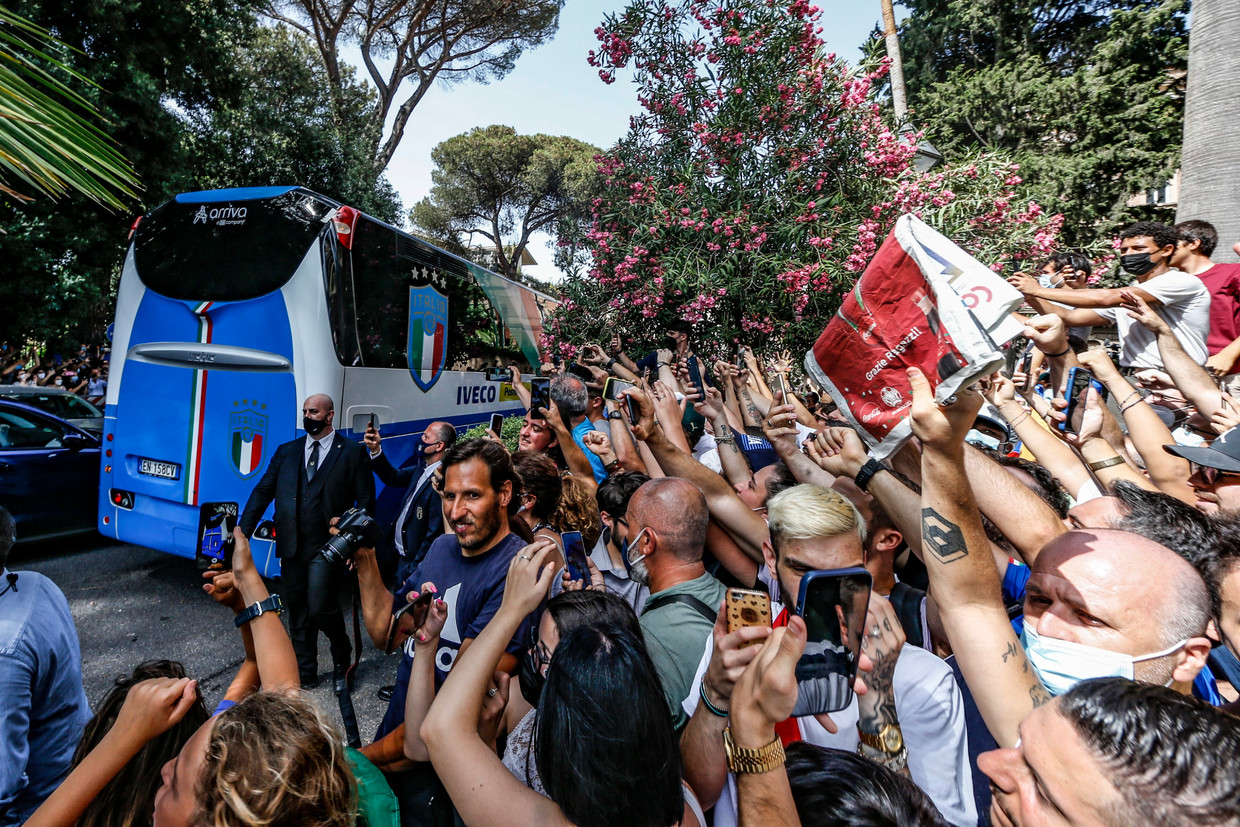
(216, 522)
(575, 556)
(614, 387)
(497, 423)
(833, 605)
(497, 375)
(1079, 380)
(540, 395)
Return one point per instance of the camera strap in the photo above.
(347, 715)
(687, 599)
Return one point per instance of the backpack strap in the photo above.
(689, 600)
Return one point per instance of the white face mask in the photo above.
(637, 562)
(1062, 665)
(975, 437)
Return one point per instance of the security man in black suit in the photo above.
(420, 518)
(312, 480)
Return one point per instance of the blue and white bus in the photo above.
(235, 305)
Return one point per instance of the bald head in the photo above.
(1145, 589)
(320, 401)
(676, 510)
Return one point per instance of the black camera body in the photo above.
(357, 529)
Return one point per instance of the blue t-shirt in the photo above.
(473, 588)
(596, 462)
(43, 708)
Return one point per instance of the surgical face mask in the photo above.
(1062, 665)
(974, 437)
(41, 375)
(1137, 263)
(532, 678)
(1047, 280)
(638, 572)
(59, 382)
(314, 427)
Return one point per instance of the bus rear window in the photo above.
(226, 250)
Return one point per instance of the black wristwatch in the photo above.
(272, 604)
(867, 472)
(615, 415)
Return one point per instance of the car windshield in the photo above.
(20, 431)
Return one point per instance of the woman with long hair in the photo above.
(603, 741)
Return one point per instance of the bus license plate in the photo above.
(155, 468)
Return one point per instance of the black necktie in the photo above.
(313, 465)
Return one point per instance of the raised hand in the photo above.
(154, 706)
(1047, 333)
(529, 577)
(1141, 311)
(941, 427)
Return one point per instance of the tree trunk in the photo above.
(899, 100)
(1210, 177)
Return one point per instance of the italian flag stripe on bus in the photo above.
(432, 348)
(247, 454)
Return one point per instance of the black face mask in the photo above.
(314, 427)
(532, 679)
(1137, 263)
(669, 343)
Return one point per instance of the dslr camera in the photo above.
(357, 530)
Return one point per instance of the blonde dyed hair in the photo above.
(578, 511)
(274, 760)
(806, 512)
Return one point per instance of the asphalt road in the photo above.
(132, 604)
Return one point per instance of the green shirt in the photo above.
(676, 636)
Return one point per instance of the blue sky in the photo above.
(554, 91)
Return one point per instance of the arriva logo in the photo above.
(220, 215)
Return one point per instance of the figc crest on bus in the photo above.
(428, 335)
(248, 431)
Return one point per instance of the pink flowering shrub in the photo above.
(759, 179)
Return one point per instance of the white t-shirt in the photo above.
(1185, 305)
(930, 709)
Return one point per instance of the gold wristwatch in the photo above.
(763, 759)
(889, 739)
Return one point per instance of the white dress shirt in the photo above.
(325, 445)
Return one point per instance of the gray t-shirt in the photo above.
(675, 634)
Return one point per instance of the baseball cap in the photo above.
(1223, 453)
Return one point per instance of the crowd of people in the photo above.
(84, 373)
(1050, 634)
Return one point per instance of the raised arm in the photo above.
(742, 522)
(963, 578)
(732, 458)
(1190, 378)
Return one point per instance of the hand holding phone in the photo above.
(408, 618)
(540, 395)
(1079, 381)
(575, 556)
(497, 423)
(497, 374)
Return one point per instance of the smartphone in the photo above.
(781, 385)
(497, 374)
(416, 612)
(747, 607)
(373, 427)
(497, 423)
(216, 522)
(833, 604)
(1026, 365)
(575, 556)
(540, 395)
(614, 387)
(634, 410)
(1079, 381)
(581, 372)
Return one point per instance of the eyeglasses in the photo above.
(1210, 475)
(540, 653)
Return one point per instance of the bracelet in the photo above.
(714, 710)
(1106, 463)
(612, 466)
(1132, 404)
(1127, 399)
(1063, 352)
(609, 364)
(662, 364)
(1024, 415)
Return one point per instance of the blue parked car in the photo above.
(49, 473)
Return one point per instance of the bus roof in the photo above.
(235, 194)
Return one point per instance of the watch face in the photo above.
(892, 739)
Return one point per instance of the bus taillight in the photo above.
(134, 227)
(343, 222)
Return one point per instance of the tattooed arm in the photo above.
(882, 640)
(963, 578)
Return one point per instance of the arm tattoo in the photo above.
(879, 711)
(1012, 651)
(943, 538)
(1039, 695)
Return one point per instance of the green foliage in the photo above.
(1085, 95)
(758, 182)
(43, 142)
(505, 187)
(509, 434)
(285, 128)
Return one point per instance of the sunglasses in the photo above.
(1210, 475)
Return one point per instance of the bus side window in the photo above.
(338, 285)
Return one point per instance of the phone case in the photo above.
(747, 608)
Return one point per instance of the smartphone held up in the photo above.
(833, 604)
(216, 522)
